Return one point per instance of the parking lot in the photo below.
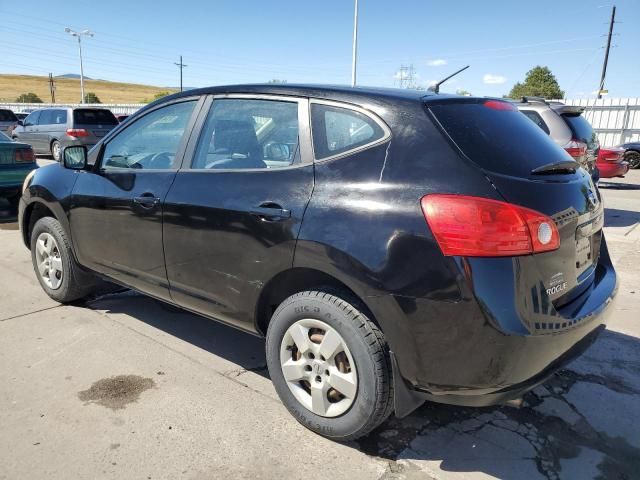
(122, 386)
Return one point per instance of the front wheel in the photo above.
(330, 365)
(633, 158)
(55, 266)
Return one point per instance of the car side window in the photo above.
(337, 130)
(537, 119)
(32, 119)
(46, 117)
(152, 141)
(247, 134)
(58, 117)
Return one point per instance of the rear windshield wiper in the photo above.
(565, 166)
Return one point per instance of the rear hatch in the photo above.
(527, 168)
(96, 121)
(7, 120)
(581, 131)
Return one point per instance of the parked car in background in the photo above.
(632, 154)
(392, 246)
(121, 118)
(8, 120)
(49, 130)
(21, 115)
(567, 127)
(17, 160)
(611, 162)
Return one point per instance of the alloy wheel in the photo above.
(318, 367)
(49, 261)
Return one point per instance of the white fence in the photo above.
(615, 120)
(117, 108)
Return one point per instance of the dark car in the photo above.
(122, 117)
(8, 120)
(21, 115)
(632, 154)
(49, 130)
(17, 160)
(392, 246)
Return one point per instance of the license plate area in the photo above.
(584, 254)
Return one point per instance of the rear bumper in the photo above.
(483, 351)
(610, 169)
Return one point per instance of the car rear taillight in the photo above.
(576, 149)
(500, 105)
(480, 227)
(613, 154)
(77, 132)
(24, 155)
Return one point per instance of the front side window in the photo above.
(32, 119)
(152, 141)
(338, 130)
(249, 134)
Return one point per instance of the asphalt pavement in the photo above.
(122, 386)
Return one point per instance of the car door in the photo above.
(42, 131)
(27, 131)
(232, 215)
(116, 208)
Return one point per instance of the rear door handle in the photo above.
(146, 200)
(271, 212)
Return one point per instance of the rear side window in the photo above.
(338, 130)
(495, 136)
(94, 116)
(537, 119)
(580, 128)
(8, 116)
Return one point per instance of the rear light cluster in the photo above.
(24, 155)
(613, 154)
(77, 132)
(576, 149)
(479, 227)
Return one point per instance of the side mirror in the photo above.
(75, 157)
(20, 122)
(277, 151)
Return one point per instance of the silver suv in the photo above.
(566, 126)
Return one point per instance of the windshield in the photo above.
(95, 116)
(496, 136)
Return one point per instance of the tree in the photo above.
(157, 96)
(91, 97)
(29, 98)
(539, 82)
(463, 92)
(276, 81)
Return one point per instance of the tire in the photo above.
(353, 411)
(56, 150)
(68, 281)
(633, 158)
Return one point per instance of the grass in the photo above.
(68, 89)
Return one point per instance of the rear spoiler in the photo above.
(570, 110)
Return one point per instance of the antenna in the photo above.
(436, 88)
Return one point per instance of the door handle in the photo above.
(146, 200)
(271, 212)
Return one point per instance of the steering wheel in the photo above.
(160, 161)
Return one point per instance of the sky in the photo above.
(251, 41)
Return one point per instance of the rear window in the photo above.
(96, 116)
(8, 116)
(500, 140)
(580, 127)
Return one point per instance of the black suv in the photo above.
(392, 246)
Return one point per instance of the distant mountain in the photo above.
(72, 75)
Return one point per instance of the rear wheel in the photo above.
(58, 273)
(56, 150)
(330, 365)
(633, 158)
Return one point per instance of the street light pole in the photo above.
(78, 35)
(355, 45)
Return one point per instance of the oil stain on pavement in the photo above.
(116, 392)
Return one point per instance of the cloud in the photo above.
(438, 62)
(491, 79)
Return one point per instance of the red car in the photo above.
(611, 162)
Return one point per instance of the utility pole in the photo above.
(180, 66)
(52, 88)
(606, 53)
(354, 53)
(406, 76)
(78, 35)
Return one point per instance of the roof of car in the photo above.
(323, 91)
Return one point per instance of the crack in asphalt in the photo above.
(26, 314)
